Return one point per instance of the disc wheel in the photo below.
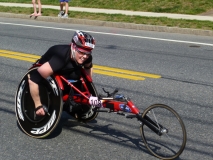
(171, 143)
(50, 95)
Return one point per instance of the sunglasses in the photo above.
(83, 53)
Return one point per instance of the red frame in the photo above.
(83, 97)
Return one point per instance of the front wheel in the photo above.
(172, 139)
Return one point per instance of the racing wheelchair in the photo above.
(162, 129)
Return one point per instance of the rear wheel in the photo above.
(87, 113)
(171, 143)
(50, 94)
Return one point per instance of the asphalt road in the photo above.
(184, 62)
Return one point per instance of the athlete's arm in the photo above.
(45, 70)
(88, 68)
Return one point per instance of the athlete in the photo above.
(66, 60)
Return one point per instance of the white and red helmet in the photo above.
(84, 42)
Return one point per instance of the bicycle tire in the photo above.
(50, 95)
(172, 142)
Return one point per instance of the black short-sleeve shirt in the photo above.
(59, 59)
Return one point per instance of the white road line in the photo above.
(123, 35)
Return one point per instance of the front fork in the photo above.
(153, 125)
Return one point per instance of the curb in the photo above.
(113, 24)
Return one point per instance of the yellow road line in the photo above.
(18, 57)
(120, 75)
(19, 54)
(109, 71)
(126, 71)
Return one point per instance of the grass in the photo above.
(171, 6)
(168, 6)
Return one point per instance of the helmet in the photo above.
(83, 41)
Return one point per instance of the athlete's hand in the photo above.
(94, 101)
(40, 112)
